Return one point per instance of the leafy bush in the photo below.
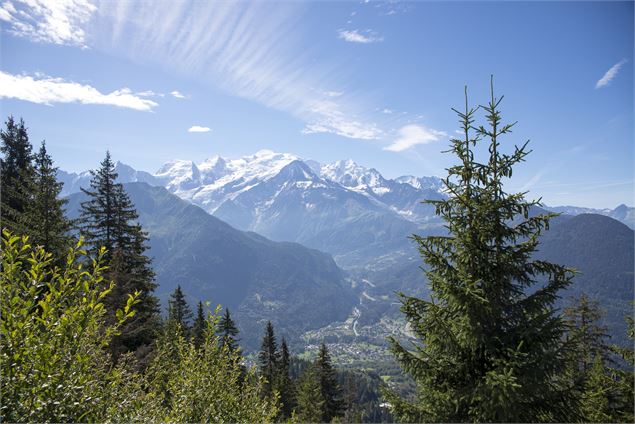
(55, 366)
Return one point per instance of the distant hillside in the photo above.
(295, 287)
(599, 247)
(602, 250)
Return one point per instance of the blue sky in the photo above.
(371, 81)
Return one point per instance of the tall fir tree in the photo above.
(331, 391)
(109, 220)
(491, 344)
(228, 332)
(44, 214)
(16, 172)
(99, 217)
(179, 311)
(198, 328)
(268, 360)
(284, 383)
(310, 402)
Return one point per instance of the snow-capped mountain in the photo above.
(343, 208)
(621, 213)
(340, 208)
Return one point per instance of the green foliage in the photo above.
(16, 172)
(602, 374)
(204, 384)
(228, 332)
(491, 349)
(109, 220)
(284, 385)
(198, 328)
(331, 391)
(53, 362)
(55, 367)
(43, 217)
(587, 336)
(310, 402)
(268, 361)
(179, 311)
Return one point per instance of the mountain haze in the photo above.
(296, 288)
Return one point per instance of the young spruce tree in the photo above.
(268, 360)
(331, 391)
(228, 332)
(491, 344)
(198, 328)
(310, 402)
(284, 384)
(179, 311)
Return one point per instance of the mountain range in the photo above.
(343, 209)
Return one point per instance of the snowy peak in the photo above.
(422, 183)
(179, 175)
(297, 171)
(356, 177)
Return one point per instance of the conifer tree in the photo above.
(310, 402)
(179, 311)
(44, 214)
(16, 172)
(284, 384)
(228, 332)
(588, 337)
(491, 345)
(99, 217)
(268, 360)
(331, 392)
(110, 220)
(198, 328)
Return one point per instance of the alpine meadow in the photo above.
(396, 249)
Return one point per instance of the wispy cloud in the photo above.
(198, 129)
(357, 36)
(412, 135)
(178, 94)
(610, 74)
(48, 21)
(532, 181)
(252, 50)
(332, 120)
(47, 90)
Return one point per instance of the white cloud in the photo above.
(149, 93)
(332, 120)
(48, 90)
(48, 21)
(355, 36)
(198, 129)
(412, 135)
(610, 74)
(178, 94)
